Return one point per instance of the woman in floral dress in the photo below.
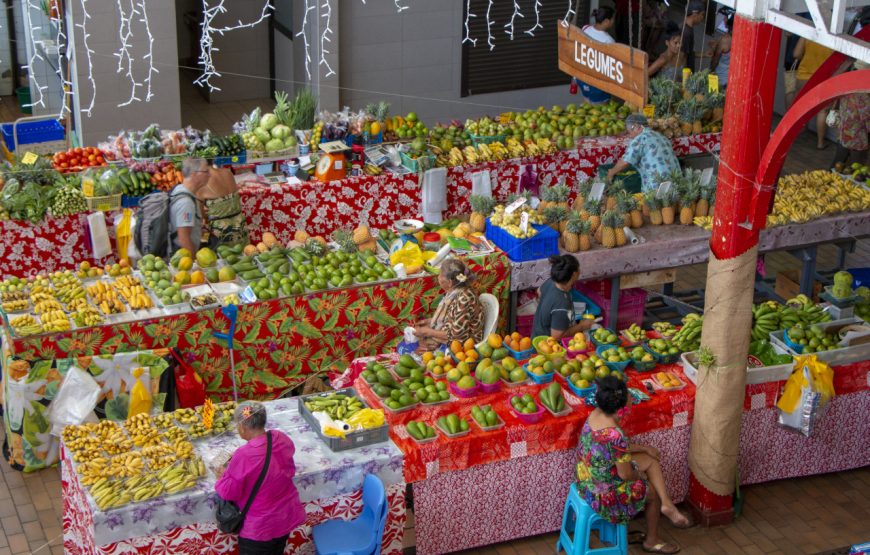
(459, 315)
(854, 127)
(618, 479)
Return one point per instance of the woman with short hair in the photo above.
(555, 313)
(459, 315)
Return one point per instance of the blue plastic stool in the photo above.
(232, 313)
(578, 521)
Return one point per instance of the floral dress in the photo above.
(854, 121)
(599, 483)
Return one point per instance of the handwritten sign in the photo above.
(664, 189)
(29, 159)
(706, 176)
(524, 222)
(512, 207)
(614, 68)
(713, 83)
(207, 414)
(597, 190)
(649, 110)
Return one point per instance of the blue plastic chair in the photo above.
(232, 313)
(578, 521)
(361, 536)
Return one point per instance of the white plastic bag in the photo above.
(99, 235)
(481, 184)
(75, 401)
(810, 408)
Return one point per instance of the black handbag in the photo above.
(229, 518)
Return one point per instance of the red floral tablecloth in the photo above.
(320, 208)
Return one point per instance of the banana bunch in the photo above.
(139, 421)
(515, 148)
(55, 321)
(163, 420)
(59, 279)
(159, 456)
(182, 476)
(484, 153)
(689, 337)
(137, 298)
(87, 316)
(25, 325)
(455, 157)
(41, 292)
(15, 306)
(532, 148)
(84, 448)
(770, 316)
(145, 437)
(635, 334)
(125, 465)
(810, 195)
(499, 151)
(367, 418)
(470, 155)
(186, 416)
(547, 146)
(109, 494)
(116, 442)
(104, 295)
(765, 319)
(44, 307)
(142, 488)
(70, 292)
(182, 449)
(93, 470)
(197, 430)
(704, 222)
(8, 296)
(372, 169)
(667, 329)
(221, 422)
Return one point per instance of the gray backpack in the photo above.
(152, 223)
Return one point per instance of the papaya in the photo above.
(407, 361)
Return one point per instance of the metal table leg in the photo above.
(807, 256)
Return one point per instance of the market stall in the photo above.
(516, 476)
(328, 483)
(278, 343)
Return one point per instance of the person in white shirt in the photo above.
(604, 20)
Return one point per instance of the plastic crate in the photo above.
(351, 440)
(414, 164)
(487, 139)
(372, 139)
(525, 324)
(600, 287)
(104, 204)
(630, 309)
(31, 133)
(545, 243)
(130, 202)
(230, 160)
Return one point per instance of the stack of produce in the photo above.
(77, 159)
(29, 190)
(688, 338)
(511, 222)
(815, 194)
(771, 316)
(148, 144)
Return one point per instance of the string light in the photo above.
(510, 25)
(35, 56)
(89, 53)
(399, 7)
(324, 37)
(65, 84)
(489, 39)
(531, 32)
(150, 55)
(468, 16)
(206, 40)
(304, 34)
(125, 33)
(570, 13)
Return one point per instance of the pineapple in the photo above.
(593, 210)
(584, 189)
(301, 236)
(556, 217)
(687, 203)
(716, 104)
(685, 113)
(610, 221)
(655, 208)
(624, 204)
(345, 240)
(696, 86)
(571, 235)
(702, 207)
(668, 211)
(555, 195)
(585, 239)
(361, 235)
(481, 209)
(635, 213)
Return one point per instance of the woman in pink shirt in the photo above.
(276, 509)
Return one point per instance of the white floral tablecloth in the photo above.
(320, 474)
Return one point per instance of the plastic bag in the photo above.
(124, 233)
(409, 343)
(99, 235)
(411, 256)
(188, 384)
(140, 396)
(806, 395)
(75, 400)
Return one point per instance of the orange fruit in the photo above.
(427, 356)
(469, 344)
(460, 355)
(525, 343)
(456, 346)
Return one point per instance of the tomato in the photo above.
(64, 165)
(100, 160)
(77, 150)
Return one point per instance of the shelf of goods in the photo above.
(329, 485)
(278, 343)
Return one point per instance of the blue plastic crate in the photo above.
(372, 139)
(130, 202)
(860, 277)
(33, 132)
(542, 245)
(229, 160)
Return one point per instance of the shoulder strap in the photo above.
(262, 475)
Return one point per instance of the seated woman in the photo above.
(670, 63)
(459, 315)
(223, 205)
(275, 510)
(619, 479)
(555, 313)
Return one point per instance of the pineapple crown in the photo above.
(555, 214)
(482, 205)
(664, 95)
(314, 247)
(715, 100)
(625, 202)
(697, 83)
(344, 239)
(584, 187)
(514, 196)
(592, 207)
(690, 110)
(576, 225)
(612, 218)
(282, 108)
(652, 200)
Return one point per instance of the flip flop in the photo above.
(636, 537)
(662, 548)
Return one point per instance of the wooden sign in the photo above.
(614, 68)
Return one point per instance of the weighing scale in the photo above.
(332, 164)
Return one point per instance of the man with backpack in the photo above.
(168, 222)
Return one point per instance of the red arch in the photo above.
(790, 127)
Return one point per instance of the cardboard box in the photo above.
(788, 285)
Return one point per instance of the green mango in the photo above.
(407, 361)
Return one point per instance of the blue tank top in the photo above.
(722, 68)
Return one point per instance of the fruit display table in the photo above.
(278, 343)
(322, 207)
(518, 476)
(328, 483)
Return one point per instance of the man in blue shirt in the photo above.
(651, 153)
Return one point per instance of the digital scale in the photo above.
(332, 164)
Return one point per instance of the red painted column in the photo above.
(745, 133)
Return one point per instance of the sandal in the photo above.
(636, 537)
(662, 548)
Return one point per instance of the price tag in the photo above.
(649, 110)
(29, 158)
(597, 190)
(103, 208)
(88, 187)
(207, 414)
(524, 222)
(686, 74)
(706, 176)
(713, 83)
(512, 207)
(663, 189)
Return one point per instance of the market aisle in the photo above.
(801, 516)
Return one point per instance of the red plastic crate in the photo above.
(600, 287)
(525, 324)
(630, 310)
